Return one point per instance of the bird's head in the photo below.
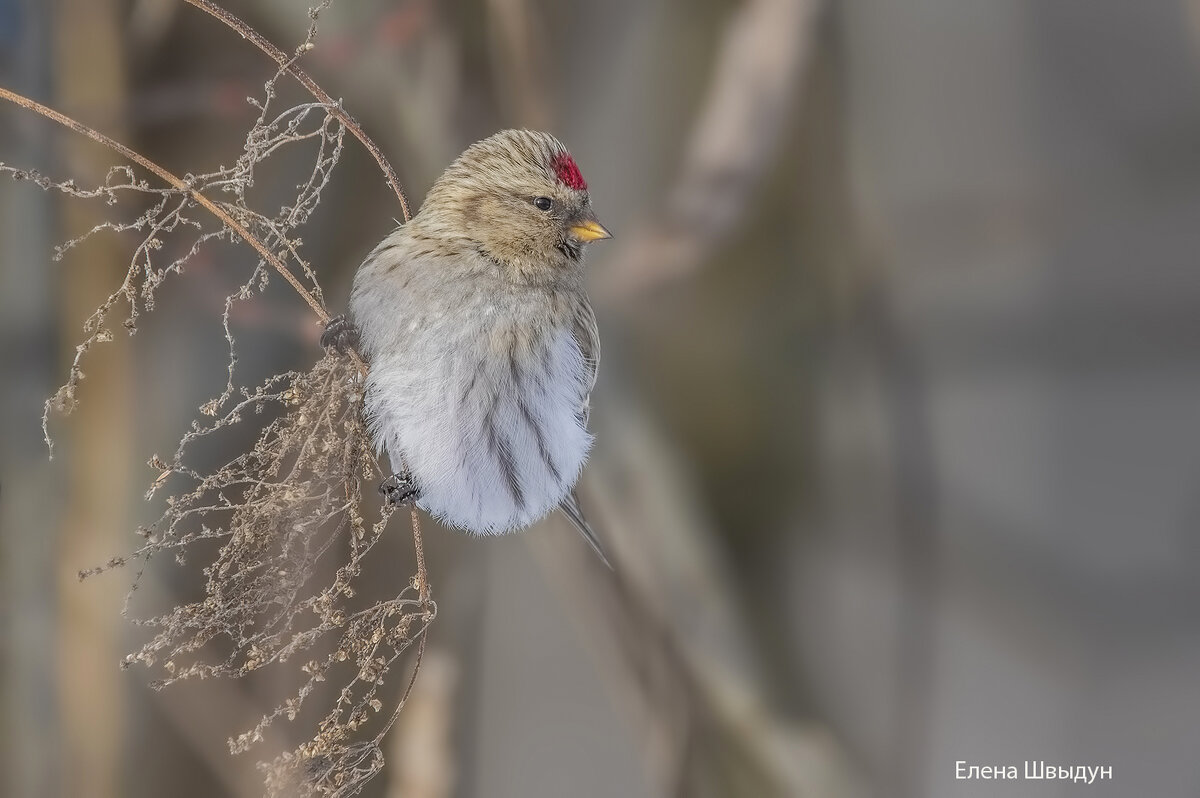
(520, 199)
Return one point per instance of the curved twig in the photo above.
(287, 64)
(176, 183)
(180, 185)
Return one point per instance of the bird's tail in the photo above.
(570, 508)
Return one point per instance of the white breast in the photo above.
(492, 437)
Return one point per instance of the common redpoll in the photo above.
(481, 342)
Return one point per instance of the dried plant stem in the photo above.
(422, 578)
(412, 679)
(180, 185)
(287, 64)
(175, 183)
(295, 496)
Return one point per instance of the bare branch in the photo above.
(174, 182)
(287, 513)
(287, 64)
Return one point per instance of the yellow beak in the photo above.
(589, 230)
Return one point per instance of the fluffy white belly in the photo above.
(493, 439)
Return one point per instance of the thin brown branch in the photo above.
(287, 64)
(412, 680)
(179, 185)
(175, 183)
(422, 577)
(279, 509)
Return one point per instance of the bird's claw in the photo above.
(340, 335)
(399, 489)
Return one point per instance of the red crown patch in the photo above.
(568, 172)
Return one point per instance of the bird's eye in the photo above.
(543, 203)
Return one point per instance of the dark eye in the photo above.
(543, 203)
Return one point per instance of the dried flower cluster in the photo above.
(278, 510)
(285, 518)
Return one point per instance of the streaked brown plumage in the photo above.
(481, 341)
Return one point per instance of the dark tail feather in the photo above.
(570, 508)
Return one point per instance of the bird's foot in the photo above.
(340, 335)
(399, 489)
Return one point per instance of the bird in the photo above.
(481, 343)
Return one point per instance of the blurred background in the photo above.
(898, 420)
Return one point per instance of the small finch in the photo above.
(481, 341)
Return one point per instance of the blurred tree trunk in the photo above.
(89, 83)
(28, 733)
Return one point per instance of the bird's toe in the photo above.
(340, 335)
(399, 489)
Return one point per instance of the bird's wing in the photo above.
(587, 335)
(570, 508)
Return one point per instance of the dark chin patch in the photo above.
(572, 251)
(568, 172)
